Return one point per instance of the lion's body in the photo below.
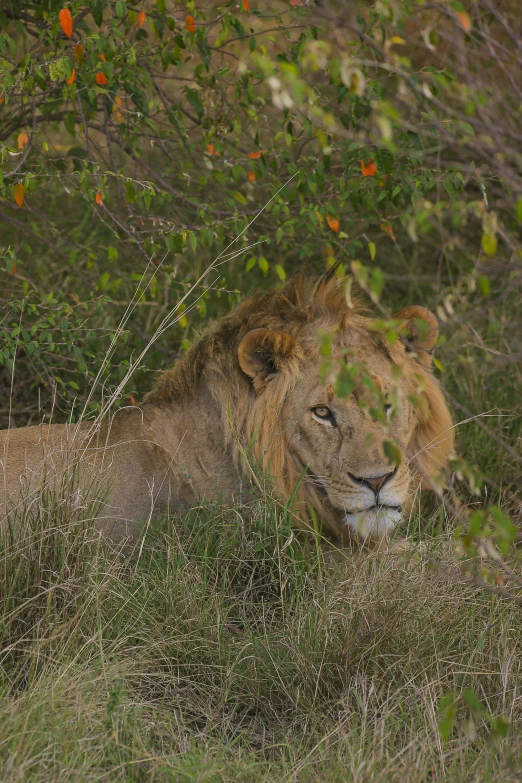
(242, 396)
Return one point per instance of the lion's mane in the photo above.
(251, 423)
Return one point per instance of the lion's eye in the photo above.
(322, 412)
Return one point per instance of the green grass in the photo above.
(225, 651)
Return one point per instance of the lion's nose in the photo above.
(375, 483)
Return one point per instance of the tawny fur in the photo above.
(234, 401)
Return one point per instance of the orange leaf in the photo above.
(101, 78)
(369, 170)
(66, 22)
(78, 53)
(251, 176)
(499, 579)
(464, 21)
(13, 267)
(246, 5)
(333, 223)
(116, 108)
(2, 98)
(18, 191)
(72, 77)
(389, 230)
(256, 155)
(99, 199)
(132, 399)
(190, 24)
(296, 3)
(211, 150)
(102, 57)
(141, 18)
(22, 140)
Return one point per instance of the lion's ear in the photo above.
(264, 353)
(419, 330)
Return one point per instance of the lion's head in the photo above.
(356, 428)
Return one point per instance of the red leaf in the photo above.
(66, 22)
(78, 53)
(190, 24)
(256, 155)
(464, 21)
(333, 223)
(141, 18)
(369, 170)
(72, 77)
(22, 140)
(296, 3)
(18, 191)
(101, 79)
(246, 5)
(387, 227)
(99, 198)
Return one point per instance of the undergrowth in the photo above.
(226, 648)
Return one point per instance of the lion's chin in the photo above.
(374, 523)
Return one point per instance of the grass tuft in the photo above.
(223, 650)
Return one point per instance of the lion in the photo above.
(350, 433)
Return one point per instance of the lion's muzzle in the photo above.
(375, 522)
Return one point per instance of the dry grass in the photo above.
(225, 649)
(228, 652)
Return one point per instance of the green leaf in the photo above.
(373, 250)
(263, 265)
(499, 728)
(467, 128)
(489, 244)
(280, 272)
(345, 382)
(97, 11)
(240, 197)
(195, 101)
(376, 283)
(392, 452)
(472, 700)
(447, 713)
(503, 524)
(130, 192)
(484, 285)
